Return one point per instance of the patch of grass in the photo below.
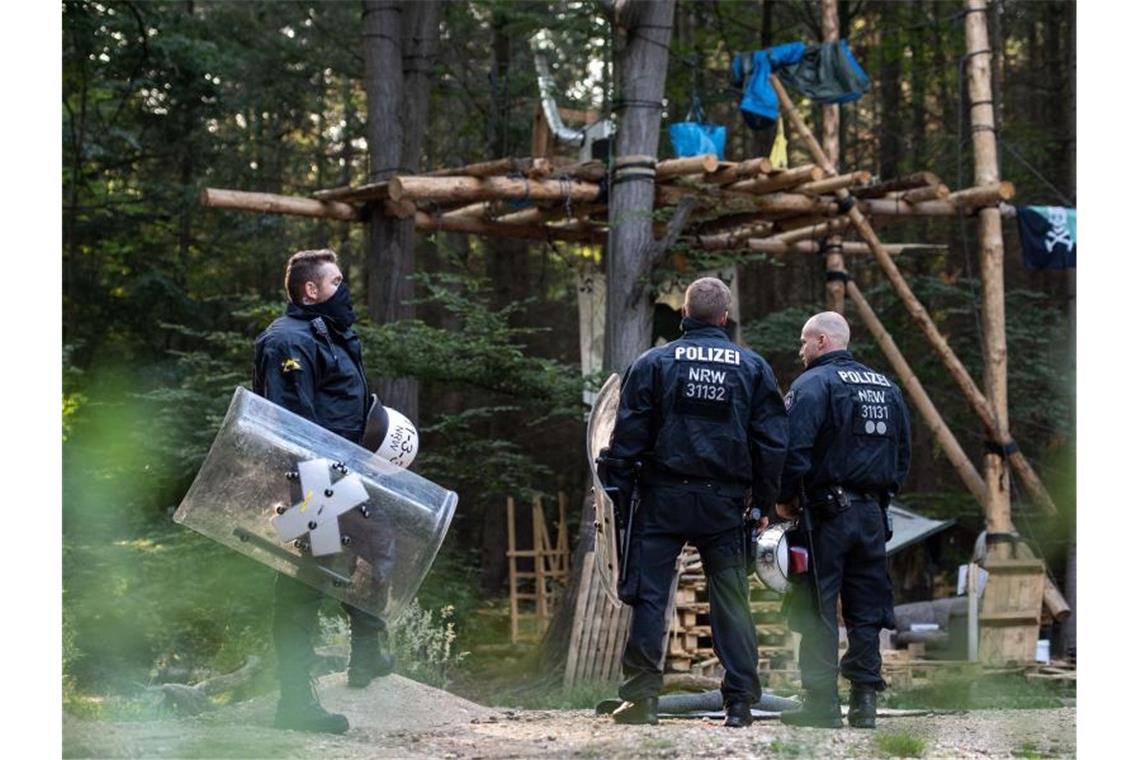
(1029, 750)
(978, 691)
(790, 749)
(900, 745)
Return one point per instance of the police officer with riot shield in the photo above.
(309, 362)
(700, 425)
(848, 454)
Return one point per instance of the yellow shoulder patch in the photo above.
(290, 365)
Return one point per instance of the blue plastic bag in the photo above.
(693, 137)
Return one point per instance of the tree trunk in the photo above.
(642, 32)
(834, 258)
(991, 255)
(400, 39)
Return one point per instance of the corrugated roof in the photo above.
(911, 527)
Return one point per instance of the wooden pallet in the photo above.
(598, 635)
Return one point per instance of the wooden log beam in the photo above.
(771, 245)
(534, 168)
(970, 197)
(269, 203)
(737, 172)
(373, 191)
(831, 184)
(770, 183)
(737, 237)
(589, 171)
(907, 182)
(676, 167)
(954, 366)
(538, 215)
(488, 188)
(475, 226)
(918, 396)
(926, 193)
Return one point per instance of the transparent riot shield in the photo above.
(599, 428)
(308, 503)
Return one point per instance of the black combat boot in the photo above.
(366, 661)
(298, 709)
(821, 709)
(862, 707)
(737, 714)
(639, 712)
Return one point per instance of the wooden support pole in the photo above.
(991, 254)
(512, 569)
(954, 366)
(488, 188)
(538, 531)
(268, 203)
(833, 260)
(918, 396)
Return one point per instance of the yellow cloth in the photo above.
(779, 154)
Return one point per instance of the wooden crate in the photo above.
(1010, 618)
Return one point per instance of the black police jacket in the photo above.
(313, 370)
(848, 426)
(704, 409)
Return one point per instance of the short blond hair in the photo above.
(305, 266)
(707, 299)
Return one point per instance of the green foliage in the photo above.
(422, 644)
(480, 348)
(790, 749)
(900, 745)
(1030, 751)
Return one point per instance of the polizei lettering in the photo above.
(859, 377)
(706, 354)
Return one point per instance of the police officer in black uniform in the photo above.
(705, 420)
(848, 453)
(309, 362)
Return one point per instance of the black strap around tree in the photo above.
(1003, 450)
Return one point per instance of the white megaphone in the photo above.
(390, 434)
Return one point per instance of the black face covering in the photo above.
(337, 310)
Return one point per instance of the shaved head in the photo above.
(833, 325)
(825, 332)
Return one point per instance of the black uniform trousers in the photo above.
(851, 564)
(295, 627)
(670, 516)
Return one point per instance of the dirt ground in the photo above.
(397, 717)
